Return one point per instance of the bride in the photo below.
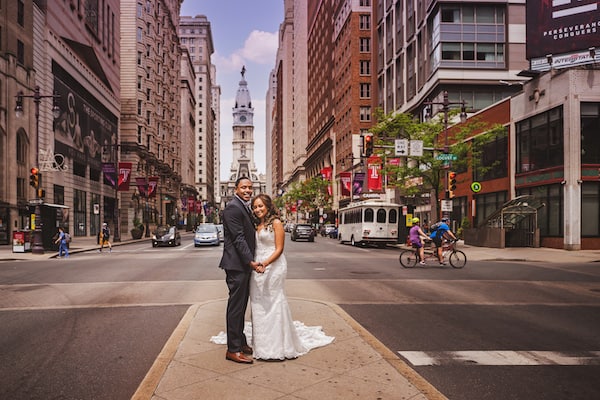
(275, 335)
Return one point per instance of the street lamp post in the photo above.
(38, 245)
(114, 155)
(446, 103)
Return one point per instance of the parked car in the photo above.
(326, 229)
(220, 228)
(333, 233)
(166, 236)
(303, 231)
(207, 234)
(289, 227)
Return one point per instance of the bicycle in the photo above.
(457, 258)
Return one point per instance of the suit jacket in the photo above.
(239, 237)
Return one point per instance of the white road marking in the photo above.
(501, 357)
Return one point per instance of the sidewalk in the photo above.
(356, 365)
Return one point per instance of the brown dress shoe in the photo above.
(247, 350)
(238, 357)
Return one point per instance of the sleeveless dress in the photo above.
(273, 333)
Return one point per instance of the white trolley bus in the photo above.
(369, 222)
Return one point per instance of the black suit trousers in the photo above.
(238, 283)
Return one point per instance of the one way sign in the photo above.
(401, 147)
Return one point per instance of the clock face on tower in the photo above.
(243, 118)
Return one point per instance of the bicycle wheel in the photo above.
(408, 258)
(457, 259)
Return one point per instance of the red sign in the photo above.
(373, 174)
(326, 173)
(124, 176)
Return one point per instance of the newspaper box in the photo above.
(21, 241)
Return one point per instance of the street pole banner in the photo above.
(124, 176)
(142, 186)
(374, 176)
(326, 173)
(346, 183)
(357, 185)
(152, 185)
(109, 174)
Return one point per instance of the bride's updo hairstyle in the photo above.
(272, 211)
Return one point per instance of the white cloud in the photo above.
(261, 47)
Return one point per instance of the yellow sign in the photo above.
(32, 221)
(409, 218)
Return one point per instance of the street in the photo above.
(90, 327)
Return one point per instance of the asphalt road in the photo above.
(90, 326)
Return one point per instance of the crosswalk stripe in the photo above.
(501, 357)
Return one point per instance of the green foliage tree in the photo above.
(308, 195)
(417, 175)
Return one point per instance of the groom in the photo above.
(238, 263)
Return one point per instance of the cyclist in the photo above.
(416, 237)
(439, 234)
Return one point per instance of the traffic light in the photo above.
(451, 183)
(368, 144)
(34, 178)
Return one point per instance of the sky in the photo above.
(244, 33)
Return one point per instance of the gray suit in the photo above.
(238, 251)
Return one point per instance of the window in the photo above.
(365, 3)
(540, 141)
(20, 52)
(139, 58)
(450, 51)
(550, 217)
(486, 204)
(139, 82)
(139, 107)
(393, 216)
(79, 208)
(369, 215)
(21, 13)
(365, 45)
(364, 22)
(365, 67)
(493, 158)
(91, 15)
(140, 34)
(590, 209)
(590, 126)
(365, 114)
(381, 214)
(22, 147)
(365, 90)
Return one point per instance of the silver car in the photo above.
(207, 234)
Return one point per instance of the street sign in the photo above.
(446, 157)
(416, 148)
(476, 187)
(401, 147)
(447, 205)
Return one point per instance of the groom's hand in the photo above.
(258, 267)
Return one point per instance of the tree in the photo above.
(308, 195)
(414, 176)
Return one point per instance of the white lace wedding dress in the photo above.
(273, 333)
